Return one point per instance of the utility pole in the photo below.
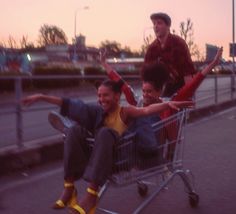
(75, 24)
(233, 53)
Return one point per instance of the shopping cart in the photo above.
(131, 167)
(165, 164)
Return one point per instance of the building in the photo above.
(77, 54)
(126, 65)
(211, 51)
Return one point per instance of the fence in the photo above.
(20, 126)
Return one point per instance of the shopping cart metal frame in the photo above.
(128, 171)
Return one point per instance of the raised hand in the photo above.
(103, 54)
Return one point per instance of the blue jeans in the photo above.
(93, 163)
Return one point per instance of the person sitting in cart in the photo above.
(152, 86)
(108, 121)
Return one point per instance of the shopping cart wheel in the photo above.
(193, 199)
(142, 189)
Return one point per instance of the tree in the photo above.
(51, 35)
(113, 48)
(186, 32)
(12, 43)
(147, 41)
(24, 44)
(3, 44)
(126, 52)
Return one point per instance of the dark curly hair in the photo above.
(155, 73)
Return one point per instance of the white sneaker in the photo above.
(59, 122)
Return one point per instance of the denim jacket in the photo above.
(88, 115)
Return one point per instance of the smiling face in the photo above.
(160, 28)
(150, 94)
(108, 99)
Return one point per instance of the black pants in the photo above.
(95, 162)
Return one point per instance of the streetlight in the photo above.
(83, 8)
(233, 53)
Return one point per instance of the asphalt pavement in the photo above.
(209, 154)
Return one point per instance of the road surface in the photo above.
(209, 154)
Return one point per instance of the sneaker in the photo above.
(58, 122)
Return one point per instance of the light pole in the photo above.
(233, 53)
(83, 8)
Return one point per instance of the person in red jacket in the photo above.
(152, 88)
(171, 50)
(153, 84)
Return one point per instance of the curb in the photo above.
(209, 110)
(50, 149)
(35, 153)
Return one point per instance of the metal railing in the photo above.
(20, 125)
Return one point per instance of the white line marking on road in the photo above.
(30, 179)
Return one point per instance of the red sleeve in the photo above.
(126, 88)
(113, 75)
(129, 94)
(188, 90)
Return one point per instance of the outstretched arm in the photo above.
(187, 91)
(113, 75)
(27, 101)
(133, 112)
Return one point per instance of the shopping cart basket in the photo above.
(131, 167)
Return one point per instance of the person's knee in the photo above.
(75, 133)
(74, 129)
(107, 134)
(104, 131)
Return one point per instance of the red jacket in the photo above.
(176, 56)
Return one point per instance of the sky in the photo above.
(123, 21)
